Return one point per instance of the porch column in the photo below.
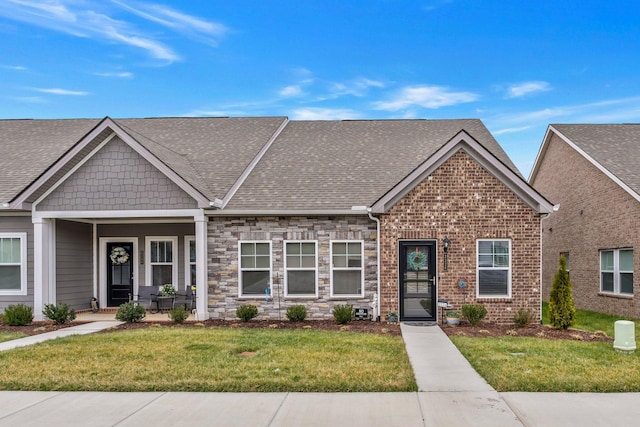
(42, 265)
(202, 279)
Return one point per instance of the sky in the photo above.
(517, 65)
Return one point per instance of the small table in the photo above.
(165, 303)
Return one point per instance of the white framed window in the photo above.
(161, 261)
(616, 271)
(13, 263)
(301, 268)
(493, 271)
(255, 268)
(347, 268)
(189, 261)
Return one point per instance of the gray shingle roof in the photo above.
(616, 147)
(312, 165)
(339, 164)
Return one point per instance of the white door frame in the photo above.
(102, 261)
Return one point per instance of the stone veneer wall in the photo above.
(463, 201)
(225, 233)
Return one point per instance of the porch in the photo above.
(108, 315)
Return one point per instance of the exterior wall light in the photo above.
(446, 244)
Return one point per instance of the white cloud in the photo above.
(65, 92)
(511, 130)
(14, 67)
(358, 87)
(432, 97)
(312, 113)
(91, 19)
(291, 91)
(121, 74)
(525, 88)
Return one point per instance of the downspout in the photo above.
(543, 217)
(378, 261)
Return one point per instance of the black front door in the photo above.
(417, 272)
(119, 272)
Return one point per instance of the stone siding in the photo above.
(117, 178)
(464, 202)
(595, 213)
(226, 233)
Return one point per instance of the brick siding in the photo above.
(464, 202)
(595, 213)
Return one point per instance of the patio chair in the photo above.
(147, 297)
(186, 300)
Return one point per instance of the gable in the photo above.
(116, 178)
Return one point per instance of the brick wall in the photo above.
(464, 202)
(595, 213)
(225, 233)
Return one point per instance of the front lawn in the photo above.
(212, 359)
(8, 336)
(535, 364)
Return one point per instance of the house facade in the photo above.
(591, 172)
(269, 212)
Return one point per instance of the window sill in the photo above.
(494, 298)
(311, 296)
(339, 297)
(612, 295)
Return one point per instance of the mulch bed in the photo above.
(363, 326)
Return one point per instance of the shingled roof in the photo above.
(260, 163)
(615, 148)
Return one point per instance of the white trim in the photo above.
(478, 268)
(103, 261)
(23, 262)
(53, 286)
(202, 279)
(120, 214)
(175, 255)
(187, 261)
(251, 166)
(287, 269)
(283, 212)
(241, 269)
(96, 260)
(584, 154)
(361, 268)
(464, 142)
(71, 172)
(616, 272)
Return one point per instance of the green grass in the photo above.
(532, 364)
(8, 336)
(212, 359)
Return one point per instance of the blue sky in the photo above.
(517, 65)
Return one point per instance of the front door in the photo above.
(119, 272)
(417, 271)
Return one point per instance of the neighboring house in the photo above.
(593, 173)
(267, 211)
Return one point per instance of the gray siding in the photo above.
(117, 178)
(141, 231)
(19, 224)
(74, 264)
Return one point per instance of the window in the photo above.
(347, 278)
(162, 261)
(300, 269)
(190, 260)
(616, 271)
(13, 263)
(494, 268)
(255, 268)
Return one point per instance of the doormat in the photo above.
(421, 323)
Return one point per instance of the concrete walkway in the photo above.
(451, 394)
(83, 329)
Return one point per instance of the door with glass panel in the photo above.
(417, 271)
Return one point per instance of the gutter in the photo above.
(280, 212)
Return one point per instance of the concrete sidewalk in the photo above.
(451, 394)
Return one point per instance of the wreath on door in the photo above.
(119, 255)
(417, 260)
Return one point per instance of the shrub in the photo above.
(343, 313)
(562, 312)
(178, 314)
(523, 317)
(474, 313)
(296, 313)
(17, 315)
(247, 312)
(130, 312)
(60, 314)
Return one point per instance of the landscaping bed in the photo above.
(488, 330)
